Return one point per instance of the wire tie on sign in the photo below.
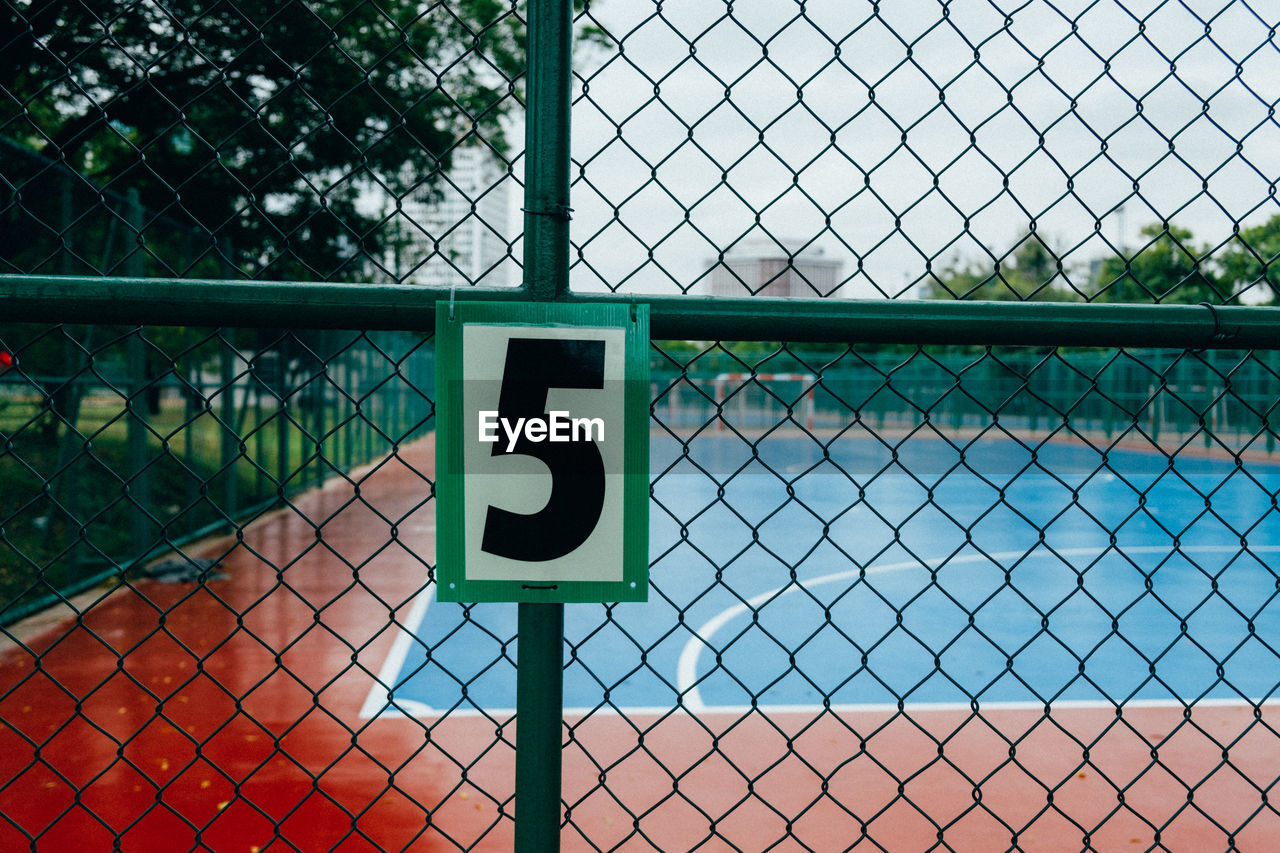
(453, 288)
(562, 212)
(539, 586)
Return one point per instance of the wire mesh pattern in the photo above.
(1048, 150)
(918, 598)
(172, 708)
(121, 443)
(1053, 151)
(1043, 515)
(903, 597)
(335, 141)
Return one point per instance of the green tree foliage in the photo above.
(1031, 271)
(1253, 259)
(258, 121)
(1167, 268)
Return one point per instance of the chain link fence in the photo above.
(1102, 152)
(930, 592)
(122, 444)
(306, 142)
(857, 554)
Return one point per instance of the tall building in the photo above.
(461, 226)
(764, 268)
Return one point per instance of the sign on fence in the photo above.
(542, 452)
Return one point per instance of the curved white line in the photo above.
(687, 666)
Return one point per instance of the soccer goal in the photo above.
(741, 401)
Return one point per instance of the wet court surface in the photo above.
(245, 713)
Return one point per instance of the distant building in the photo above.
(764, 268)
(472, 245)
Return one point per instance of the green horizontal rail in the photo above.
(198, 302)
(217, 302)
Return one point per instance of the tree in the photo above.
(1168, 268)
(1031, 271)
(1254, 258)
(262, 123)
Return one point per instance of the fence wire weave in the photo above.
(339, 141)
(1116, 152)
(903, 597)
(874, 557)
(1057, 151)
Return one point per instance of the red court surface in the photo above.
(226, 717)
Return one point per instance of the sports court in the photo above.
(1100, 610)
(804, 710)
(608, 425)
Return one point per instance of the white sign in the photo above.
(543, 414)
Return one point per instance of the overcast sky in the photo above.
(1072, 103)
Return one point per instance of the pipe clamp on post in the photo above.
(562, 212)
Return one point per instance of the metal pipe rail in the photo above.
(161, 301)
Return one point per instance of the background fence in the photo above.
(1223, 398)
(964, 493)
(123, 444)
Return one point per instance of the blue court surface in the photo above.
(929, 575)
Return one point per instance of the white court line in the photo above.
(377, 703)
(412, 710)
(687, 667)
(380, 694)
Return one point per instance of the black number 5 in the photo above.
(533, 367)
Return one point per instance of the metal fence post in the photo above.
(139, 484)
(366, 400)
(283, 466)
(259, 445)
(540, 655)
(68, 489)
(539, 712)
(320, 425)
(1267, 406)
(230, 446)
(191, 378)
(229, 449)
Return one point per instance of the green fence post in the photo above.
(136, 354)
(366, 407)
(259, 446)
(1033, 374)
(68, 489)
(283, 466)
(230, 444)
(1211, 421)
(539, 709)
(540, 654)
(1267, 404)
(1157, 400)
(277, 418)
(1109, 398)
(192, 375)
(396, 405)
(344, 435)
(230, 441)
(316, 393)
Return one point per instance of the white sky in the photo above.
(1072, 184)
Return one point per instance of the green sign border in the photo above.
(452, 583)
